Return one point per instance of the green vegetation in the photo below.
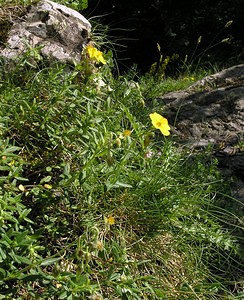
(95, 203)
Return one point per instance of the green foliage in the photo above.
(94, 202)
(74, 4)
(16, 4)
(18, 245)
(158, 69)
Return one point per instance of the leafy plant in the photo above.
(95, 202)
(19, 249)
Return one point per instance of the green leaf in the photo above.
(67, 169)
(122, 184)
(21, 178)
(4, 168)
(50, 261)
(2, 256)
(118, 184)
(63, 295)
(3, 273)
(84, 4)
(24, 214)
(46, 179)
(70, 297)
(82, 177)
(11, 149)
(22, 259)
(48, 169)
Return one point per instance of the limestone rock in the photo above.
(211, 112)
(230, 76)
(209, 115)
(59, 32)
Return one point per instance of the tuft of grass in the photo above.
(95, 203)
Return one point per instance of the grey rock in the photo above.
(230, 76)
(59, 32)
(215, 113)
(212, 115)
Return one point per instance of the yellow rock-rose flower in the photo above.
(160, 123)
(95, 54)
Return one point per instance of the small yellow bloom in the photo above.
(48, 186)
(11, 163)
(127, 132)
(110, 220)
(160, 123)
(95, 54)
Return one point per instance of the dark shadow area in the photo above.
(177, 27)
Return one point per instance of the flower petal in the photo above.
(161, 123)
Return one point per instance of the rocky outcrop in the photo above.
(215, 116)
(59, 32)
(211, 112)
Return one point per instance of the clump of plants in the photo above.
(97, 201)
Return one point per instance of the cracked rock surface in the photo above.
(58, 31)
(211, 112)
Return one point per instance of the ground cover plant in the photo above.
(97, 200)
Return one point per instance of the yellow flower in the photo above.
(127, 132)
(95, 54)
(11, 163)
(48, 186)
(160, 123)
(110, 220)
